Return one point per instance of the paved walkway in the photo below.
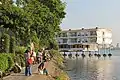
(19, 76)
(35, 75)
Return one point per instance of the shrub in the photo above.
(22, 60)
(62, 76)
(20, 49)
(6, 61)
(58, 78)
(12, 45)
(19, 58)
(5, 39)
(57, 56)
(10, 62)
(3, 63)
(54, 52)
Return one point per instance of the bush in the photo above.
(62, 76)
(58, 57)
(12, 45)
(19, 58)
(6, 61)
(58, 78)
(55, 52)
(3, 63)
(10, 62)
(5, 41)
(22, 60)
(20, 49)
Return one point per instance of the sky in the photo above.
(93, 13)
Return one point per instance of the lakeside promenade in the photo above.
(34, 76)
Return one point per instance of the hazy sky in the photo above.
(92, 13)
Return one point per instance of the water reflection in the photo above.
(93, 68)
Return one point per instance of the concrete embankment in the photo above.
(55, 73)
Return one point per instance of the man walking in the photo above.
(28, 62)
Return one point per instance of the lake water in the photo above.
(94, 68)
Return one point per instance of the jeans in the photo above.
(28, 71)
(45, 71)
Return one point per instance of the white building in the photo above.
(84, 39)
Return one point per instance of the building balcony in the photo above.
(72, 35)
(77, 36)
(71, 49)
(63, 42)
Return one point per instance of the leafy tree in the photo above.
(15, 19)
(47, 16)
(5, 39)
(27, 17)
(12, 44)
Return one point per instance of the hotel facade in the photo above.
(84, 39)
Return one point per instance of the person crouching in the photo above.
(42, 68)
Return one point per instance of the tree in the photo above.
(47, 16)
(15, 19)
(5, 41)
(12, 44)
(42, 17)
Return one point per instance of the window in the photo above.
(93, 33)
(60, 46)
(79, 41)
(79, 34)
(73, 34)
(73, 46)
(64, 34)
(64, 40)
(93, 39)
(86, 34)
(74, 40)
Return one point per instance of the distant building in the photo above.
(84, 39)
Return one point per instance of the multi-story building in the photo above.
(84, 39)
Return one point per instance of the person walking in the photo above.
(42, 68)
(28, 62)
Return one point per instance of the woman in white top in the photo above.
(39, 56)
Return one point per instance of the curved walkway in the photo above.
(35, 75)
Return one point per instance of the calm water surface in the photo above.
(94, 68)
